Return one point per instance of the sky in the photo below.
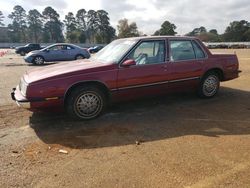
(149, 14)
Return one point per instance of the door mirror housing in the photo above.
(128, 63)
(46, 50)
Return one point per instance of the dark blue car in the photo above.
(57, 52)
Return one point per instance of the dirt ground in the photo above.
(182, 141)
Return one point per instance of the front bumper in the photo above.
(20, 100)
(28, 59)
(16, 95)
(37, 104)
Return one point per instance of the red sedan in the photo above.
(126, 69)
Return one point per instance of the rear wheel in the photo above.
(86, 102)
(79, 57)
(38, 60)
(209, 85)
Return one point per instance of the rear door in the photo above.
(68, 52)
(186, 60)
(149, 75)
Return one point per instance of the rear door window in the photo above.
(198, 51)
(181, 50)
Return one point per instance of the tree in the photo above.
(202, 34)
(1, 18)
(71, 24)
(53, 25)
(197, 31)
(18, 28)
(247, 35)
(81, 25)
(81, 19)
(237, 31)
(35, 25)
(92, 25)
(127, 30)
(167, 28)
(213, 31)
(105, 31)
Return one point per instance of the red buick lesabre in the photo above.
(126, 69)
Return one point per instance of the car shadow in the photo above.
(45, 64)
(149, 120)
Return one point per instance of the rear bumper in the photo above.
(17, 51)
(230, 75)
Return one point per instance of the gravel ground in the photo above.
(170, 141)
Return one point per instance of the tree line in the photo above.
(237, 31)
(86, 26)
(94, 27)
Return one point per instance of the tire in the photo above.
(209, 85)
(79, 57)
(22, 53)
(85, 103)
(38, 60)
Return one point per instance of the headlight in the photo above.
(23, 86)
(29, 54)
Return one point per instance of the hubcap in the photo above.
(88, 105)
(210, 85)
(39, 60)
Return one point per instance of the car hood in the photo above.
(19, 47)
(66, 69)
(35, 52)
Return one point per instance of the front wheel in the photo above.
(38, 60)
(22, 53)
(209, 85)
(86, 102)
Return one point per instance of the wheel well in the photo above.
(79, 55)
(39, 56)
(218, 71)
(97, 84)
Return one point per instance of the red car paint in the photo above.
(49, 86)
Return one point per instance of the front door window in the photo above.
(149, 52)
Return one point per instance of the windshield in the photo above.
(114, 51)
(48, 47)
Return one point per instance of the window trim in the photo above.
(148, 40)
(204, 52)
(191, 41)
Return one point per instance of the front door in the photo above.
(150, 74)
(55, 53)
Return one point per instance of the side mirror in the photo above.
(128, 63)
(46, 50)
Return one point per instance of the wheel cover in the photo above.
(39, 60)
(88, 105)
(210, 85)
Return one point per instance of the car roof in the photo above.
(158, 37)
(58, 44)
